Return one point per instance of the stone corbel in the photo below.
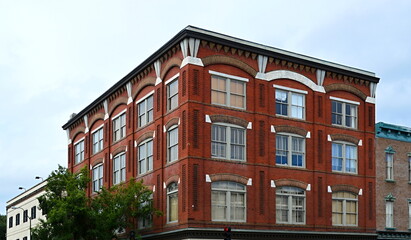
(157, 67)
(262, 65)
(320, 77)
(105, 105)
(130, 99)
(189, 48)
(86, 123)
(373, 90)
(68, 136)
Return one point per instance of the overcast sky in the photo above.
(56, 57)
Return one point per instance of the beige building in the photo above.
(23, 213)
(393, 188)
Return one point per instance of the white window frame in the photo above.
(344, 210)
(121, 128)
(290, 104)
(290, 206)
(147, 159)
(344, 157)
(170, 147)
(389, 160)
(228, 78)
(170, 98)
(389, 214)
(121, 170)
(148, 113)
(228, 144)
(171, 193)
(344, 103)
(98, 139)
(228, 194)
(79, 151)
(98, 174)
(290, 148)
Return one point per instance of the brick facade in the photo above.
(196, 170)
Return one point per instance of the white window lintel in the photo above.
(172, 78)
(145, 97)
(228, 76)
(344, 100)
(290, 89)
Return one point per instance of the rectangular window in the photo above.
(25, 216)
(389, 214)
(294, 155)
(147, 221)
(145, 111)
(145, 156)
(228, 201)
(172, 144)
(17, 219)
(344, 158)
(119, 127)
(97, 177)
(344, 209)
(119, 168)
(79, 152)
(172, 95)
(409, 213)
(344, 114)
(227, 91)
(289, 103)
(232, 147)
(98, 141)
(389, 157)
(290, 205)
(10, 222)
(33, 212)
(409, 170)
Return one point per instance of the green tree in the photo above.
(3, 225)
(72, 215)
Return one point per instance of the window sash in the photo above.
(290, 205)
(145, 111)
(389, 214)
(98, 141)
(344, 158)
(290, 150)
(145, 157)
(119, 168)
(290, 104)
(119, 127)
(389, 157)
(172, 202)
(79, 152)
(172, 144)
(344, 114)
(228, 92)
(232, 147)
(97, 178)
(228, 202)
(344, 209)
(172, 95)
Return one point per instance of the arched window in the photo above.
(172, 202)
(290, 205)
(344, 157)
(290, 150)
(97, 177)
(145, 109)
(345, 209)
(145, 156)
(228, 201)
(228, 141)
(119, 168)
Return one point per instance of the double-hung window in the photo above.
(290, 205)
(344, 112)
(119, 126)
(10, 222)
(389, 159)
(97, 140)
(145, 110)
(228, 142)
(119, 168)
(145, 156)
(228, 90)
(172, 202)
(79, 152)
(25, 215)
(17, 219)
(172, 144)
(33, 212)
(290, 150)
(228, 201)
(97, 177)
(290, 102)
(344, 157)
(389, 212)
(172, 93)
(344, 209)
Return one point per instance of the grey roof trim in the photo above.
(203, 34)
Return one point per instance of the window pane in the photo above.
(281, 99)
(337, 157)
(281, 149)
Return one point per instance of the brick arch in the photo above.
(219, 59)
(145, 136)
(291, 75)
(78, 130)
(171, 122)
(171, 179)
(95, 118)
(345, 188)
(115, 103)
(171, 63)
(146, 82)
(345, 88)
(290, 182)
(96, 162)
(229, 177)
(291, 129)
(229, 119)
(345, 138)
(119, 150)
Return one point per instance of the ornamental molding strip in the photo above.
(189, 49)
(286, 74)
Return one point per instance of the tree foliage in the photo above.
(3, 226)
(72, 215)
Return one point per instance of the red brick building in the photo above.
(228, 132)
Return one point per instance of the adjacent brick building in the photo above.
(393, 162)
(228, 132)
